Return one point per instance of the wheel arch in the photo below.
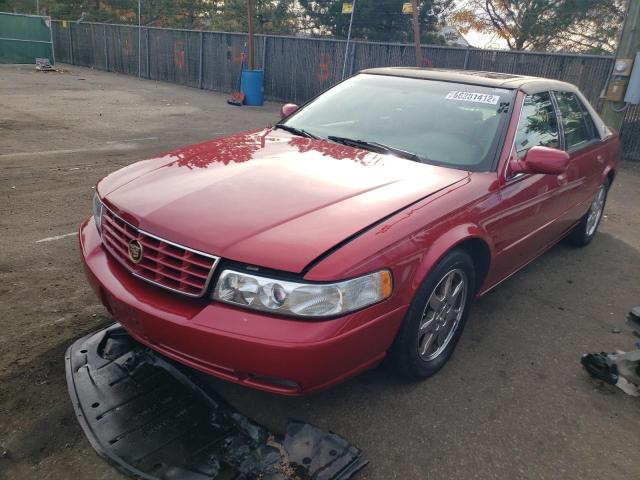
(479, 251)
(470, 238)
(610, 175)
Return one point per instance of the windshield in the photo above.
(444, 123)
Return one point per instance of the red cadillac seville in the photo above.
(361, 226)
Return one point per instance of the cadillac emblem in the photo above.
(135, 251)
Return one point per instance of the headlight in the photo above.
(97, 211)
(302, 299)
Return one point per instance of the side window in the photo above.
(591, 125)
(538, 124)
(576, 122)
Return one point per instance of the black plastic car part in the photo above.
(152, 419)
(599, 366)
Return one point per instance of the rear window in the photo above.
(577, 124)
(445, 123)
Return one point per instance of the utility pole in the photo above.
(250, 28)
(416, 31)
(346, 51)
(139, 39)
(613, 112)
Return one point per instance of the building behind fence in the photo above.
(297, 69)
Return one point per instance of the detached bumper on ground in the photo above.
(152, 420)
(279, 355)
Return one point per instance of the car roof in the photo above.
(474, 77)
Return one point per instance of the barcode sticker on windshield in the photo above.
(473, 97)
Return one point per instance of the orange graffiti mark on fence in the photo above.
(426, 62)
(127, 48)
(178, 53)
(237, 57)
(324, 73)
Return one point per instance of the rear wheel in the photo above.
(436, 317)
(584, 232)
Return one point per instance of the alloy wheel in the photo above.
(595, 212)
(442, 314)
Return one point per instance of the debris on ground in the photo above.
(43, 65)
(151, 418)
(621, 369)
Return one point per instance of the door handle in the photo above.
(562, 179)
(600, 158)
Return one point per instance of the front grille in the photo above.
(162, 263)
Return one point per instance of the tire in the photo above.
(429, 309)
(583, 233)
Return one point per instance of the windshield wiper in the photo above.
(375, 147)
(296, 131)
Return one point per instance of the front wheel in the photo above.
(584, 232)
(436, 317)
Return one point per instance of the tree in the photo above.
(18, 6)
(376, 20)
(589, 26)
(190, 14)
(118, 11)
(271, 16)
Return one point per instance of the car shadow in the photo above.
(513, 388)
(533, 327)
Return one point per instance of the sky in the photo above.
(484, 40)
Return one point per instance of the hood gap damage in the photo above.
(352, 237)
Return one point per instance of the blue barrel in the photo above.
(252, 85)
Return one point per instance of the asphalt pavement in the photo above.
(513, 403)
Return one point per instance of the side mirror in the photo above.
(544, 160)
(287, 109)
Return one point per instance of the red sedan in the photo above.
(359, 227)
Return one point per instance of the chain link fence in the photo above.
(24, 38)
(297, 68)
(630, 133)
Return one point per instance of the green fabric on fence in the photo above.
(24, 38)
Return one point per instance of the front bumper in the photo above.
(285, 356)
(152, 419)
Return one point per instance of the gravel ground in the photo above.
(513, 402)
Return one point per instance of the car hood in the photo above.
(268, 198)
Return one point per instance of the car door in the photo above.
(587, 156)
(530, 203)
